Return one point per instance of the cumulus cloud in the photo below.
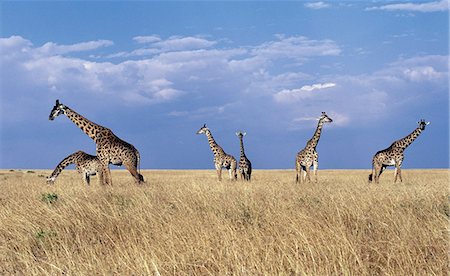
(296, 47)
(289, 95)
(176, 43)
(147, 39)
(435, 6)
(51, 48)
(317, 5)
(211, 77)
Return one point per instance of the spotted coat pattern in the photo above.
(308, 156)
(86, 165)
(110, 148)
(245, 166)
(394, 155)
(221, 159)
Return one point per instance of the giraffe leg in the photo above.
(100, 176)
(315, 166)
(219, 172)
(307, 173)
(398, 173)
(303, 175)
(106, 174)
(377, 173)
(138, 178)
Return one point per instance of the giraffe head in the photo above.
(203, 129)
(240, 134)
(422, 124)
(324, 118)
(57, 110)
(51, 179)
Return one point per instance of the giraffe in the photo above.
(86, 165)
(245, 166)
(110, 148)
(308, 156)
(221, 159)
(394, 155)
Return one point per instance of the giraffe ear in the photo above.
(204, 125)
(237, 133)
(57, 102)
(245, 133)
(427, 123)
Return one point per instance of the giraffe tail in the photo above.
(371, 175)
(141, 178)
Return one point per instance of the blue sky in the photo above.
(155, 72)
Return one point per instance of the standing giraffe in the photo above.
(110, 148)
(308, 156)
(245, 166)
(86, 165)
(221, 159)
(394, 155)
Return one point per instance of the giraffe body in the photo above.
(110, 148)
(394, 155)
(86, 165)
(245, 166)
(221, 159)
(308, 156)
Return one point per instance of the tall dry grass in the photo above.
(187, 223)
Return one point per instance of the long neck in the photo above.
(406, 141)
(90, 128)
(215, 148)
(242, 146)
(315, 139)
(71, 159)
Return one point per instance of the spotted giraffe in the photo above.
(245, 166)
(86, 165)
(394, 155)
(308, 156)
(221, 159)
(110, 148)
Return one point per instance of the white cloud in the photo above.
(183, 43)
(290, 95)
(422, 73)
(296, 47)
(147, 39)
(415, 7)
(317, 5)
(211, 78)
(51, 48)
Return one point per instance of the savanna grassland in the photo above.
(187, 223)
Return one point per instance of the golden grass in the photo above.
(187, 223)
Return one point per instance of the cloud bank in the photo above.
(194, 77)
(415, 7)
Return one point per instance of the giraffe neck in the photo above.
(215, 148)
(242, 147)
(406, 141)
(71, 159)
(315, 139)
(90, 128)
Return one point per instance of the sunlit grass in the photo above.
(185, 222)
